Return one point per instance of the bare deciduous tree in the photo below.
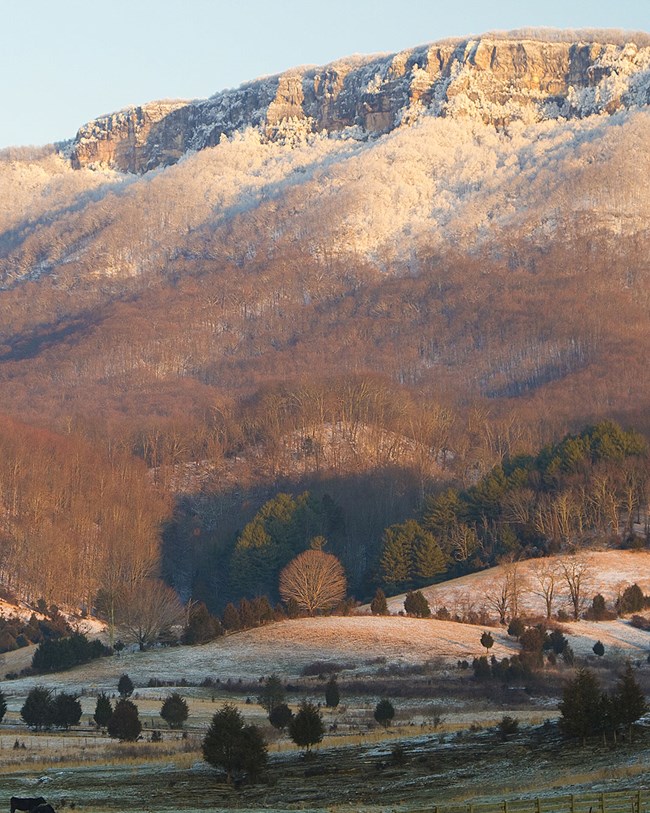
(576, 573)
(545, 576)
(147, 609)
(315, 580)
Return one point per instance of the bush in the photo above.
(508, 727)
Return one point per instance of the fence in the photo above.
(623, 801)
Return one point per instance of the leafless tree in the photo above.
(315, 580)
(576, 573)
(147, 609)
(545, 575)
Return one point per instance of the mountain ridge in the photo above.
(497, 80)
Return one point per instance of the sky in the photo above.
(65, 62)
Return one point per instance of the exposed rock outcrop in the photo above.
(496, 80)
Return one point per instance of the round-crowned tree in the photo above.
(125, 724)
(103, 710)
(280, 716)
(233, 746)
(307, 728)
(314, 580)
(175, 710)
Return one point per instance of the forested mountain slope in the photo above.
(407, 264)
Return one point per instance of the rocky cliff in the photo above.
(496, 80)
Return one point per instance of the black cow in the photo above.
(20, 803)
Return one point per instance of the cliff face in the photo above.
(495, 80)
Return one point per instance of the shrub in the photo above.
(508, 727)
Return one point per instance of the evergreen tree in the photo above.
(201, 626)
(487, 641)
(124, 724)
(38, 710)
(174, 710)
(307, 728)
(630, 700)
(395, 559)
(281, 716)
(332, 694)
(416, 604)
(231, 618)
(581, 706)
(103, 711)
(631, 601)
(378, 605)
(233, 746)
(66, 710)
(427, 559)
(599, 649)
(3, 706)
(384, 712)
(272, 693)
(125, 686)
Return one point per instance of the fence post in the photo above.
(602, 803)
(538, 807)
(505, 806)
(572, 803)
(638, 801)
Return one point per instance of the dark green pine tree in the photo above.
(272, 693)
(332, 693)
(378, 605)
(233, 746)
(125, 724)
(581, 707)
(103, 711)
(174, 710)
(416, 604)
(630, 700)
(125, 686)
(395, 559)
(66, 710)
(38, 710)
(427, 559)
(307, 728)
(3, 706)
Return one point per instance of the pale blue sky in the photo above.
(63, 63)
